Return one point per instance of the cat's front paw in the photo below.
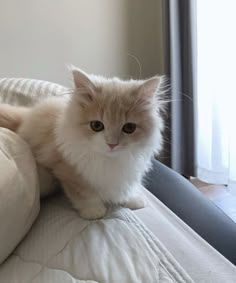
(92, 213)
(135, 202)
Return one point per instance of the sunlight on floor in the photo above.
(219, 195)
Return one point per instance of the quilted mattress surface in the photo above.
(61, 247)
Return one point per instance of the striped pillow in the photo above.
(26, 92)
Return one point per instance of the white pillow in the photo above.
(27, 92)
(19, 185)
(19, 191)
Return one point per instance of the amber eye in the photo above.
(129, 128)
(97, 126)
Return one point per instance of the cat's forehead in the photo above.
(117, 94)
(114, 105)
(115, 100)
(111, 105)
(115, 110)
(116, 87)
(108, 107)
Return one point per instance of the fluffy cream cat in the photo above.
(99, 143)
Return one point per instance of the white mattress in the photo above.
(61, 247)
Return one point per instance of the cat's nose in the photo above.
(112, 145)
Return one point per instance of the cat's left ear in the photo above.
(149, 87)
(84, 87)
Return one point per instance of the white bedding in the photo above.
(19, 191)
(62, 247)
(200, 260)
(26, 92)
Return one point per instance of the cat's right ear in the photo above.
(84, 87)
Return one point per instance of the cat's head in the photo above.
(112, 116)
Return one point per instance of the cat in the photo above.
(98, 142)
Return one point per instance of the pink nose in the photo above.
(112, 145)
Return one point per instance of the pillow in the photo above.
(19, 191)
(26, 92)
(19, 185)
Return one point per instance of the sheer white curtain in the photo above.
(216, 88)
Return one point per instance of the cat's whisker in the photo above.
(139, 64)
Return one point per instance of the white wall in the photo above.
(38, 38)
(145, 36)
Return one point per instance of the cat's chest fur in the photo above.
(112, 178)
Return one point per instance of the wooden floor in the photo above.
(219, 195)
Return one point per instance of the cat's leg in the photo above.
(90, 207)
(82, 197)
(136, 199)
(85, 200)
(47, 182)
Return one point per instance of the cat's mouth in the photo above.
(113, 151)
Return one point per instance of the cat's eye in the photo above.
(129, 128)
(97, 126)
